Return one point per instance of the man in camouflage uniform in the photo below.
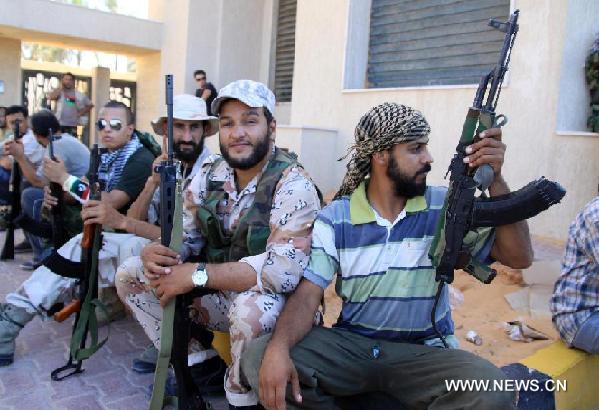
(249, 215)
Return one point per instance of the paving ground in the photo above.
(107, 383)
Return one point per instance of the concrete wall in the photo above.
(79, 27)
(100, 95)
(150, 91)
(574, 99)
(529, 99)
(9, 72)
(229, 39)
(313, 147)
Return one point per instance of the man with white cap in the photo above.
(252, 209)
(191, 125)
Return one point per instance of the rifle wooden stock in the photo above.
(67, 311)
(87, 238)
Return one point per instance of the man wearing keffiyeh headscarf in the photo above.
(374, 237)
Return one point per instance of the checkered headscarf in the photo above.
(380, 129)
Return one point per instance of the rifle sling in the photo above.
(168, 318)
(37, 228)
(88, 321)
(63, 266)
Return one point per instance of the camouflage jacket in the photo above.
(294, 208)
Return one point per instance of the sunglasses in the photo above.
(115, 124)
(200, 78)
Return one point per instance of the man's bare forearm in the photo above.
(512, 244)
(29, 172)
(142, 228)
(297, 318)
(235, 276)
(139, 208)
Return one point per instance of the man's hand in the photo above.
(49, 200)
(5, 162)
(55, 171)
(177, 282)
(14, 148)
(158, 260)
(155, 175)
(489, 150)
(276, 371)
(98, 212)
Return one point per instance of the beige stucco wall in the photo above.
(529, 99)
(229, 39)
(11, 59)
(79, 27)
(150, 90)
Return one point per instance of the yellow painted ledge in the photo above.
(579, 369)
(222, 344)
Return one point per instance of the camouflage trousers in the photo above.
(245, 315)
(44, 288)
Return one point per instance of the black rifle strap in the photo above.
(63, 266)
(37, 228)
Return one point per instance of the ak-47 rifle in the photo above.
(462, 211)
(86, 320)
(59, 236)
(175, 333)
(8, 250)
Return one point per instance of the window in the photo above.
(285, 50)
(432, 42)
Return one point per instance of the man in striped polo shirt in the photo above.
(376, 235)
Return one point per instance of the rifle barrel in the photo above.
(169, 118)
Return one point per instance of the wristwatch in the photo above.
(199, 277)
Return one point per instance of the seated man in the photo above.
(252, 210)
(69, 149)
(575, 301)
(191, 125)
(32, 150)
(124, 169)
(375, 236)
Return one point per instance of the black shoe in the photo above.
(208, 376)
(254, 407)
(146, 362)
(23, 247)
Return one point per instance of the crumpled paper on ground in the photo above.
(456, 297)
(521, 332)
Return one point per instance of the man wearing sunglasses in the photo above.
(205, 90)
(70, 150)
(124, 170)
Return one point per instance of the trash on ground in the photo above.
(456, 297)
(521, 332)
(474, 337)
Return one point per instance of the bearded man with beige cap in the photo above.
(252, 210)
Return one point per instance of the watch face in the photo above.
(199, 278)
